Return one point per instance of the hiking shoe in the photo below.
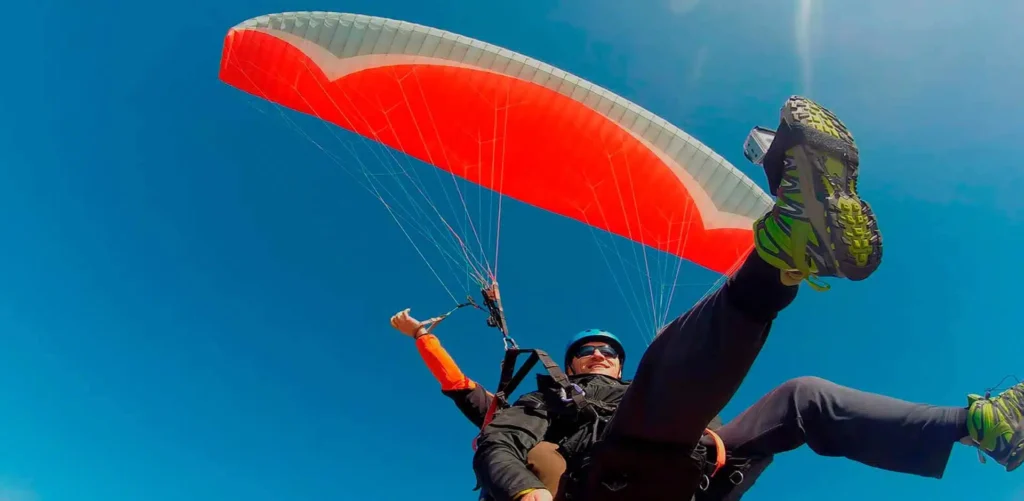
(819, 226)
(997, 425)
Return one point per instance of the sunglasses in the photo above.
(607, 351)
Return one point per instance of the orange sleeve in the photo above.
(441, 364)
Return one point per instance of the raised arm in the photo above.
(472, 399)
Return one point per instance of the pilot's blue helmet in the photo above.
(590, 335)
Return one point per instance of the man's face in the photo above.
(596, 357)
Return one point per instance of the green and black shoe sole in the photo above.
(824, 153)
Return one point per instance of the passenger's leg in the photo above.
(688, 374)
(696, 364)
(819, 227)
(876, 430)
(837, 421)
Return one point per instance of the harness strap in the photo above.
(510, 385)
(504, 388)
(510, 380)
(719, 450)
(554, 370)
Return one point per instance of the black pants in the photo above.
(837, 421)
(832, 420)
(684, 379)
(697, 363)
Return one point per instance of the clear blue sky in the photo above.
(194, 299)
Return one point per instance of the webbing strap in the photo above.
(508, 364)
(511, 378)
(559, 377)
(508, 385)
(719, 450)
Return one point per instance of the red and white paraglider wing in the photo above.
(506, 122)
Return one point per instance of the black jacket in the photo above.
(473, 403)
(500, 459)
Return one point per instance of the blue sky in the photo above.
(195, 298)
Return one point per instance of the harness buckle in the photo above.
(565, 396)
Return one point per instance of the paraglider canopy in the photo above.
(506, 122)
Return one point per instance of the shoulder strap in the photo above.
(511, 378)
